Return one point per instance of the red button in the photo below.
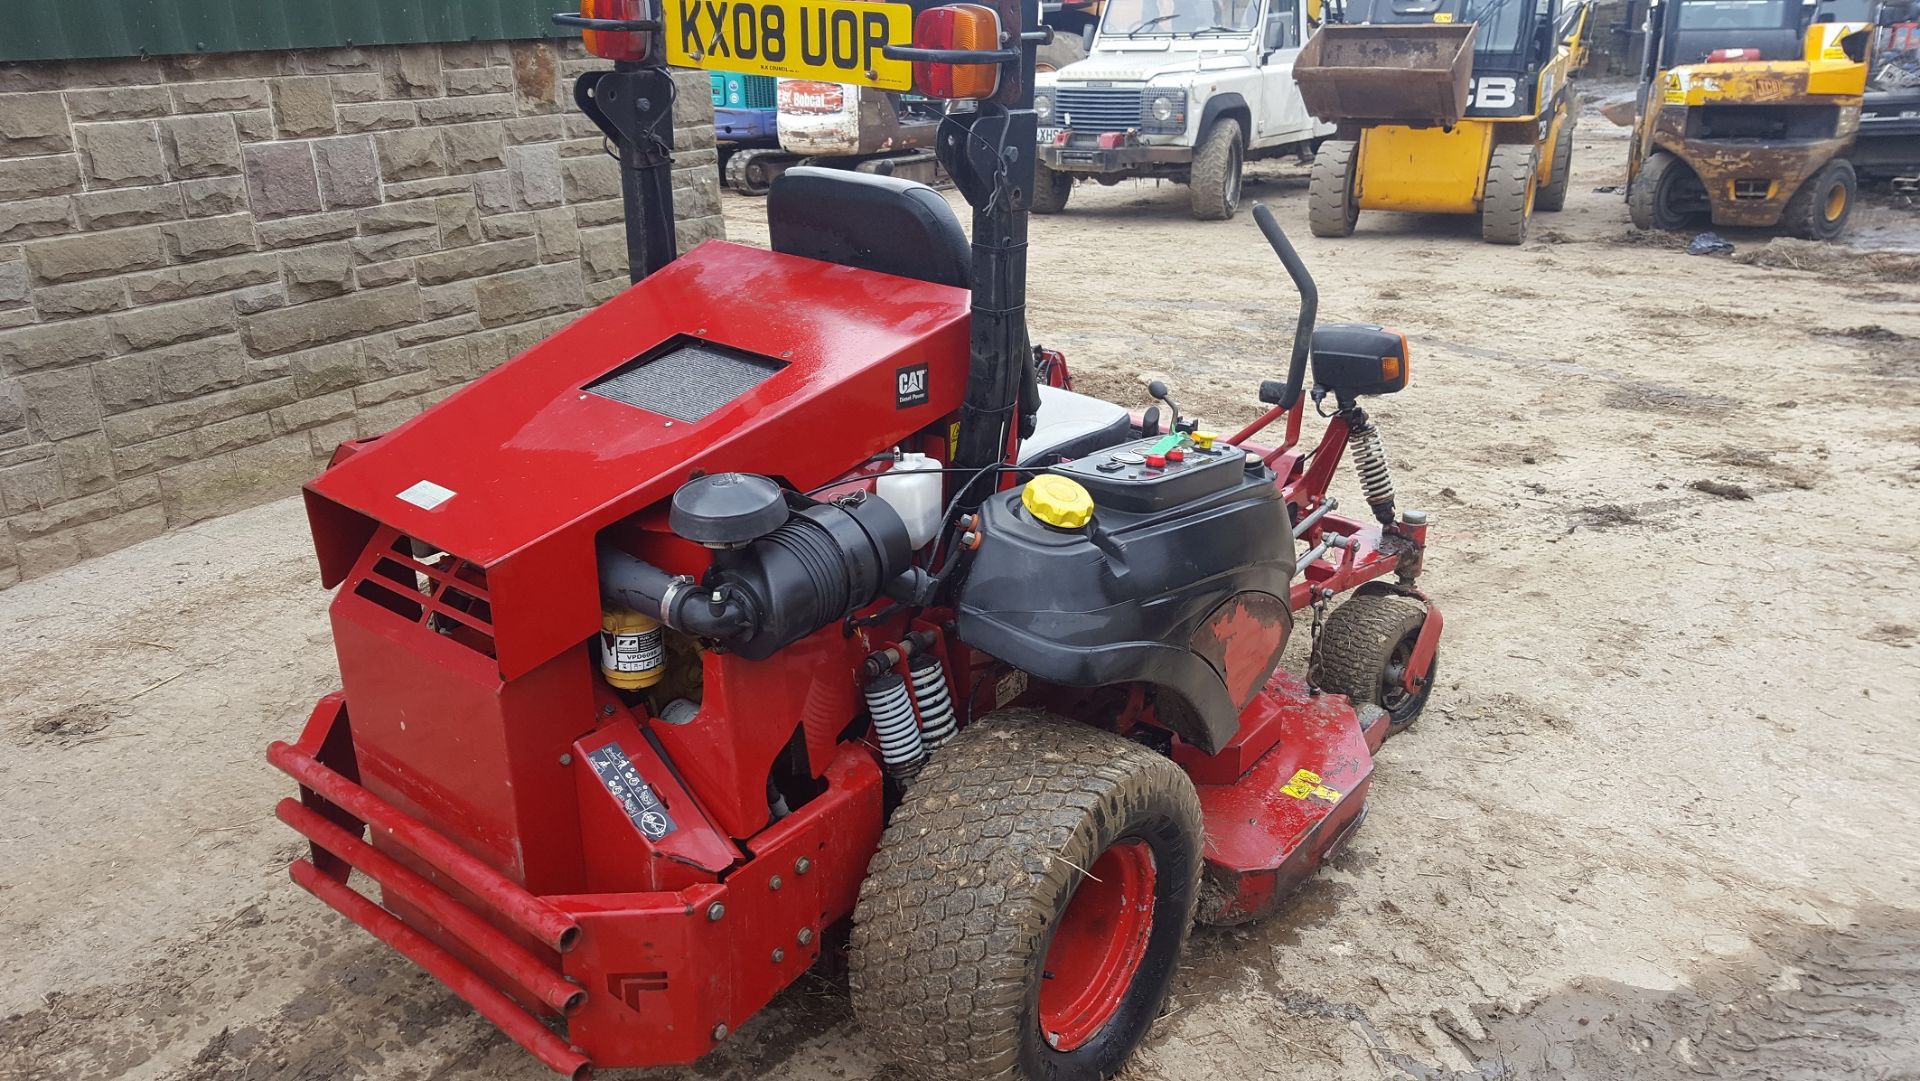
(1156, 461)
(1177, 454)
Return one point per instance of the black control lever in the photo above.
(1158, 390)
(1285, 396)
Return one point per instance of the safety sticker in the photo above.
(1307, 783)
(636, 797)
(427, 495)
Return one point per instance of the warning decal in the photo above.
(1307, 783)
(636, 797)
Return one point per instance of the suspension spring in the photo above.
(937, 722)
(1370, 458)
(902, 752)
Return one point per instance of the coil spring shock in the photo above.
(1370, 458)
(937, 722)
(902, 752)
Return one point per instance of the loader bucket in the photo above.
(1403, 73)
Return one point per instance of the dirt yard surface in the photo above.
(1660, 820)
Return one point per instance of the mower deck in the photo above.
(1282, 797)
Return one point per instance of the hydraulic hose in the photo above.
(677, 602)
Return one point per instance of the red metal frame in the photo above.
(460, 781)
(1366, 552)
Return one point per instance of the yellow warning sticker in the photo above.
(1443, 16)
(1307, 783)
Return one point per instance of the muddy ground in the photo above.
(1659, 822)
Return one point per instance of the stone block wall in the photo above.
(214, 269)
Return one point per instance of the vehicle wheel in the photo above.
(1214, 184)
(1554, 195)
(1820, 209)
(747, 173)
(1333, 206)
(1050, 190)
(1025, 912)
(1362, 652)
(1064, 49)
(1664, 194)
(1513, 172)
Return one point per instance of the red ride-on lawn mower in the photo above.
(791, 591)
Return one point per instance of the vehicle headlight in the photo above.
(1043, 107)
(1163, 109)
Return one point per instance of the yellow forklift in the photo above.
(1444, 107)
(1745, 113)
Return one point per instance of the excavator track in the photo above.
(752, 172)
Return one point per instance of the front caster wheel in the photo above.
(1025, 912)
(1363, 651)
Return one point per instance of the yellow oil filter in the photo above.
(633, 653)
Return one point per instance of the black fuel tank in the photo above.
(1190, 597)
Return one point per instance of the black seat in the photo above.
(878, 223)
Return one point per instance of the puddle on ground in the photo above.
(1808, 1003)
(1885, 223)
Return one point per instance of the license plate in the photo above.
(836, 41)
(1048, 135)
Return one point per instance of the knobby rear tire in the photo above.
(977, 867)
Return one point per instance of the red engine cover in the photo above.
(536, 465)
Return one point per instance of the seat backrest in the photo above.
(879, 223)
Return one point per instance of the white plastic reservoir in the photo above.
(912, 487)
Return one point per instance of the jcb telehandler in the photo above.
(1444, 107)
(782, 593)
(1745, 112)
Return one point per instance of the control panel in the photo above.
(1158, 472)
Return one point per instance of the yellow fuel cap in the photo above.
(1058, 501)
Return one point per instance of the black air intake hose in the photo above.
(825, 562)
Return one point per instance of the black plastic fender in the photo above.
(1190, 600)
(1223, 103)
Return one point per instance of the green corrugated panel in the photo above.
(69, 29)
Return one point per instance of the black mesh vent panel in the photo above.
(685, 381)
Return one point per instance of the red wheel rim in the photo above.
(1097, 948)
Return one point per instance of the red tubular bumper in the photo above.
(523, 1027)
(533, 979)
(537, 918)
(511, 957)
